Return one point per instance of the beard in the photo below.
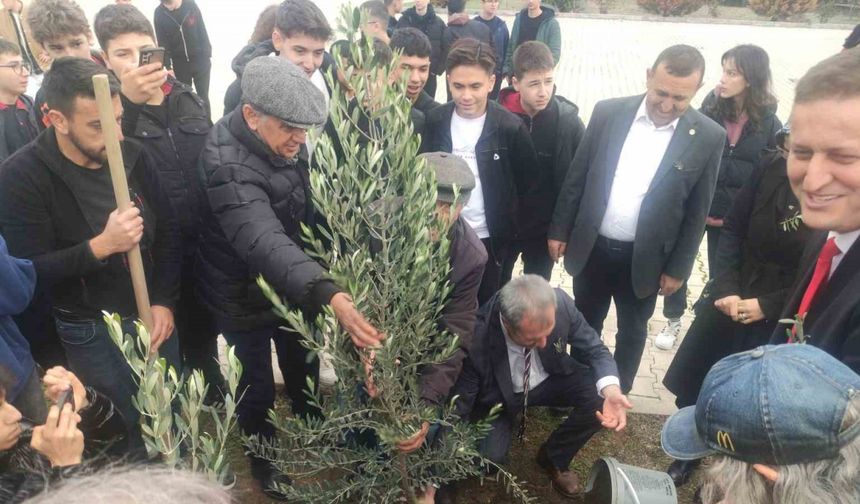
(96, 156)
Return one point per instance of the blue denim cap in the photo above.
(776, 405)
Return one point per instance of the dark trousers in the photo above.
(196, 73)
(675, 305)
(198, 333)
(536, 259)
(497, 254)
(557, 391)
(254, 350)
(607, 276)
(98, 362)
(430, 86)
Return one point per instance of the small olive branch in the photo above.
(179, 429)
(795, 331)
(792, 223)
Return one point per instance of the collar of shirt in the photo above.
(19, 104)
(844, 240)
(642, 116)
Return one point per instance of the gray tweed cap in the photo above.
(450, 171)
(276, 87)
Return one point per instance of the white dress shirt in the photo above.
(641, 155)
(537, 373)
(844, 241)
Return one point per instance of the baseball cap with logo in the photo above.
(776, 405)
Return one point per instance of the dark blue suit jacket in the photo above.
(486, 377)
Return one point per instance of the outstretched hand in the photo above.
(615, 406)
(363, 334)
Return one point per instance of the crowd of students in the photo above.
(625, 202)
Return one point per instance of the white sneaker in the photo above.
(665, 340)
(327, 375)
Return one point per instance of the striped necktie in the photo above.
(526, 373)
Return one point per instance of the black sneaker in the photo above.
(270, 479)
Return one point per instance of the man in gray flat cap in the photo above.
(255, 166)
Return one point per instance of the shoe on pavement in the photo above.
(668, 335)
(681, 470)
(564, 481)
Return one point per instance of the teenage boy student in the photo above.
(496, 145)
(375, 23)
(17, 120)
(180, 29)
(57, 208)
(394, 7)
(422, 16)
(300, 35)
(61, 27)
(534, 22)
(556, 131)
(414, 60)
(500, 36)
(14, 29)
(171, 122)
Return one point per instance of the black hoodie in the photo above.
(556, 132)
(432, 26)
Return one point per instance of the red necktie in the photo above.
(819, 276)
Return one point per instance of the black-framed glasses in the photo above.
(18, 67)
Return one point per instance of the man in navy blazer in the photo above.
(532, 346)
(631, 213)
(824, 171)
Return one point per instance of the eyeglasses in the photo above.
(18, 67)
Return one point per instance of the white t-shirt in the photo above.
(464, 137)
(318, 80)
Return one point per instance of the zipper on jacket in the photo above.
(182, 33)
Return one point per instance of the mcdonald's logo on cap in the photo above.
(724, 439)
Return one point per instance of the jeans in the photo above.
(254, 351)
(99, 363)
(558, 391)
(608, 275)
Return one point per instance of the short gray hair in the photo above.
(525, 294)
(835, 481)
(136, 486)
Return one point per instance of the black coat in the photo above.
(559, 122)
(468, 258)
(175, 146)
(25, 473)
(505, 155)
(25, 119)
(757, 257)
(432, 26)
(257, 202)
(672, 216)
(739, 160)
(42, 220)
(461, 26)
(186, 40)
(573, 347)
(424, 103)
(833, 320)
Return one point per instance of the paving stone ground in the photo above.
(608, 58)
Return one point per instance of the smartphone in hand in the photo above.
(152, 55)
